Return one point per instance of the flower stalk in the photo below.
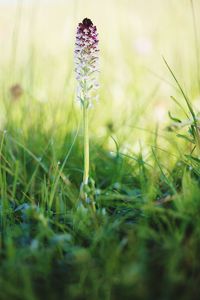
(86, 146)
(86, 68)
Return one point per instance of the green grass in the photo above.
(143, 241)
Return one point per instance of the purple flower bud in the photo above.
(86, 61)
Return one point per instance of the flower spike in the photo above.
(86, 61)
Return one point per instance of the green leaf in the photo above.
(173, 118)
(185, 137)
(193, 158)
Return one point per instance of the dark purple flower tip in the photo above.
(87, 22)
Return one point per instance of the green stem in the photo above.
(85, 187)
(86, 146)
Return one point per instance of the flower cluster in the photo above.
(86, 61)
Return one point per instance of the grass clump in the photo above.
(143, 232)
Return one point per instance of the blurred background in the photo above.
(37, 72)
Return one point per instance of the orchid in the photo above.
(86, 69)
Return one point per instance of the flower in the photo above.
(86, 61)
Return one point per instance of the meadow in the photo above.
(143, 240)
